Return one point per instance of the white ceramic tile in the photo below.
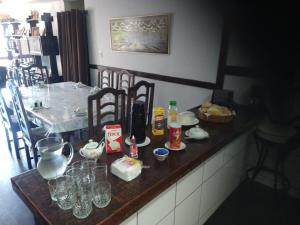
(188, 184)
(132, 220)
(211, 192)
(168, 220)
(230, 177)
(233, 148)
(187, 212)
(212, 165)
(158, 208)
(205, 217)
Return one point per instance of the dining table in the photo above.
(156, 177)
(60, 104)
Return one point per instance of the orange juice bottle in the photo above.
(158, 120)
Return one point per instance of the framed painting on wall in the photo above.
(148, 34)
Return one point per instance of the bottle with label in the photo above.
(133, 148)
(158, 120)
(172, 112)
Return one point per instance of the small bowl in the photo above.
(161, 153)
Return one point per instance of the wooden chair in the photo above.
(30, 135)
(3, 73)
(143, 91)
(107, 107)
(125, 80)
(105, 77)
(11, 125)
(34, 74)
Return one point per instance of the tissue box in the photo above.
(126, 168)
(113, 138)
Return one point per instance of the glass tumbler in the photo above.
(100, 172)
(82, 206)
(65, 192)
(101, 187)
(52, 189)
(101, 193)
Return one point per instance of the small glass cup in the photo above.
(100, 172)
(101, 193)
(82, 206)
(75, 173)
(65, 192)
(52, 189)
(77, 164)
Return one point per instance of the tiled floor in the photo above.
(257, 204)
(12, 210)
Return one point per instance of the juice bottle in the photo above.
(172, 112)
(158, 120)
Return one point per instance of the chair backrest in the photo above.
(105, 107)
(105, 77)
(143, 91)
(21, 113)
(4, 111)
(34, 74)
(3, 73)
(125, 80)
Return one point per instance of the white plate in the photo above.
(182, 146)
(192, 123)
(205, 135)
(99, 153)
(145, 143)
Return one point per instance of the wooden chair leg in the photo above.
(16, 144)
(28, 158)
(7, 139)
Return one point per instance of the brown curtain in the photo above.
(73, 45)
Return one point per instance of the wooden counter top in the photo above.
(129, 197)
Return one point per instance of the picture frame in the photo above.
(148, 34)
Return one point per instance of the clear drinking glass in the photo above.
(75, 173)
(52, 189)
(65, 192)
(77, 164)
(100, 172)
(101, 193)
(101, 187)
(82, 206)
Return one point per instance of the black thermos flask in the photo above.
(138, 122)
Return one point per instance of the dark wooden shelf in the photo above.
(14, 35)
(32, 20)
(12, 22)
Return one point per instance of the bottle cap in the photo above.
(172, 103)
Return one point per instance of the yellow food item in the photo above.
(214, 109)
(206, 104)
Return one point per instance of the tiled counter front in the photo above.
(195, 197)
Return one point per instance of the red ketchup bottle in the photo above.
(133, 148)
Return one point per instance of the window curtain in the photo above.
(73, 45)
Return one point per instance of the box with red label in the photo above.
(113, 138)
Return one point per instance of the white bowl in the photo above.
(161, 153)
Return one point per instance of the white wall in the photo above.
(194, 45)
